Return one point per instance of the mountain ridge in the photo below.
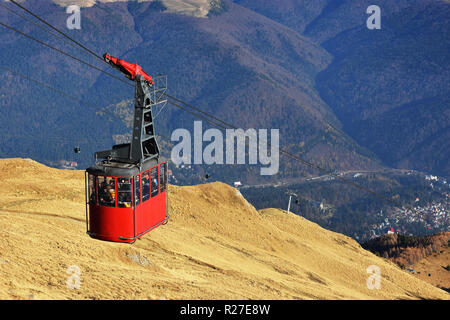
(253, 66)
(252, 76)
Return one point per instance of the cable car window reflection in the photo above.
(92, 193)
(154, 180)
(106, 191)
(163, 177)
(124, 192)
(145, 186)
(137, 189)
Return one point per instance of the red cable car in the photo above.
(126, 191)
(125, 203)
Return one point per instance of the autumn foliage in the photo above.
(407, 250)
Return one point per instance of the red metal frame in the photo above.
(127, 224)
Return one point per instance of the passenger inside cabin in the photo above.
(111, 192)
(107, 194)
(92, 197)
(124, 200)
(145, 187)
(154, 176)
(154, 186)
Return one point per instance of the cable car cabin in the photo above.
(124, 203)
(126, 192)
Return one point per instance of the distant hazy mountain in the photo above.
(389, 87)
(237, 64)
(293, 65)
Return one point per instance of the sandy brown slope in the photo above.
(215, 246)
(434, 269)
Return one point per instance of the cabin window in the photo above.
(137, 189)
(154, 180)
(106, 191)
(92, 193)
(124, 192)
(145, 186)
(163, 177)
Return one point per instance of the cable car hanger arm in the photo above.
(131, 70)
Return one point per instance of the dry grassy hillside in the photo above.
(434, 269)
(215, 246)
